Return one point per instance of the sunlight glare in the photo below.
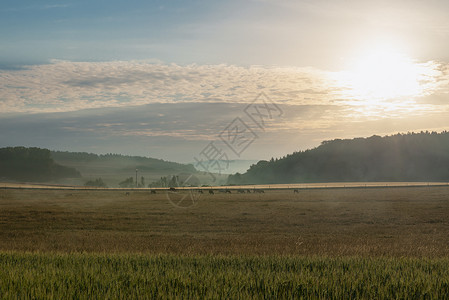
(385, 81)
(383, 74)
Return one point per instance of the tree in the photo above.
(96, 183)
(159, 183)
(127, 183)
(173, 181)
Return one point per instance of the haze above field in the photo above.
(164, 79)
(407, 157)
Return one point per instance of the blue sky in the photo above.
(85, 75)
(169, 31)
(298, 33)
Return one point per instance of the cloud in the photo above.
(50, 6)
(64, 86)
(166, 130)
(69, 86)
(179, 131)
(35, 7)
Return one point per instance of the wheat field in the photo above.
(318, 243)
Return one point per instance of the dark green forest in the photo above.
(420, 156)
(32, 164)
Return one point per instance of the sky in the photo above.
(171, 79)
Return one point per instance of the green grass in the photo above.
(82, 276)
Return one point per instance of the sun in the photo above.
(382, 73)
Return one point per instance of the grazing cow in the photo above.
(211, 192)
(227, 191)
(153, 192)
(200, 192)
(127, 194)
(172, 189)
(295, 192)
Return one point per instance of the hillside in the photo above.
(114, 168)
(32, 164)
(402, 157)
(21, 164)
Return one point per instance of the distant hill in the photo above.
(114, 168)
(121, 161)
(402, 157)
(32, 164)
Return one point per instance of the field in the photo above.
(90, 276)
(343, 243)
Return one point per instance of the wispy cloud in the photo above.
(36, 7)
(176, 130)
(70, 86)
(179, 131)
(57, 5)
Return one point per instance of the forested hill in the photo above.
(32, 164)
(118, 161)
(402, 157)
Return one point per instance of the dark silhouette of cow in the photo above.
(211, 192)
(152, 192)
(295, 191)
(172, 189)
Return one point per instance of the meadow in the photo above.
(319, 243)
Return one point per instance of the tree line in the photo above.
(420, 156)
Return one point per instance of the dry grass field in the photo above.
(364, 243)
(395, 222)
